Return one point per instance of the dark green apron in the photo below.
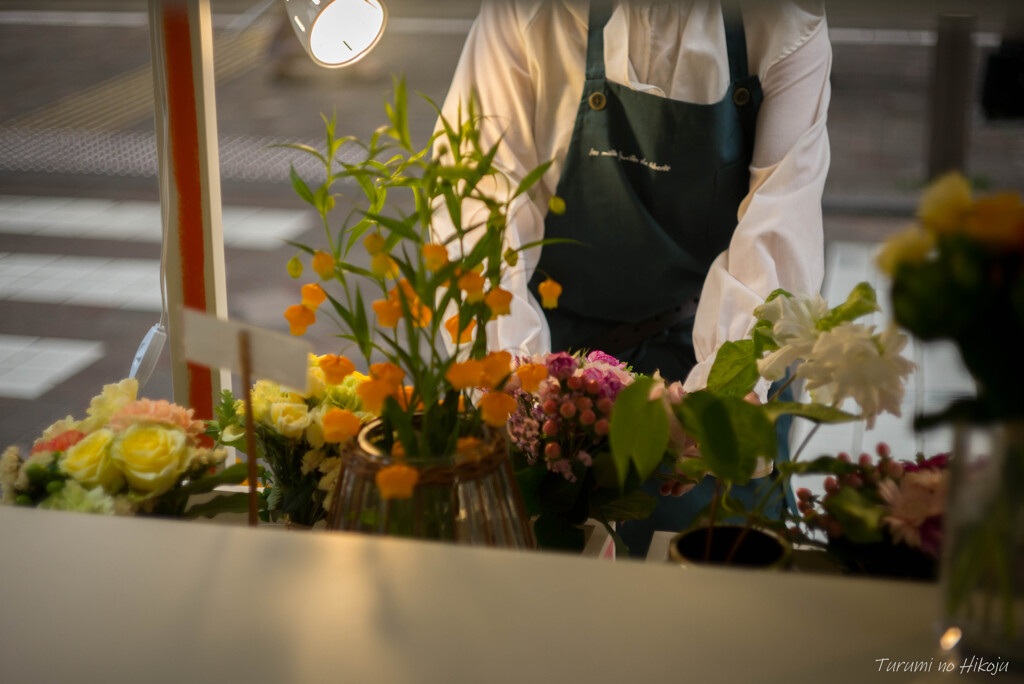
(652, 187)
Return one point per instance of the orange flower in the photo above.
(997, 220)
(459, 336)
(389, 312)
(435, 256)
(340, 425)
(323, 264)
(313, 296)
(497, 366)
(421, 313)
(335, 368)
(299, 318)
(389, 373)
(465, 374)
(397, 481)
(473, 285)
(374, 243)
(383, 266)
(531, 375)
(373, 393)
(405, 398)
(496, 407)
(397, 450)
(468, 449)
(550, 291)
(499, 302)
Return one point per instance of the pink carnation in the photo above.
(160, 411)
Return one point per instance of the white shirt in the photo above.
(525, 59)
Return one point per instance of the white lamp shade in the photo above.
(337, 33)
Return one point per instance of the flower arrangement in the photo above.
(560, 435)
(879, 516)
(298, 436)
(427, 401)
(129, 456)
(958, 274)
(836, 357)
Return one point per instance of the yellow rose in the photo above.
(264, 394)
(316, 382)
(151, 456)
(315, 429)
(945, 204)
(90, 463)
(290, 419)
(909, 246)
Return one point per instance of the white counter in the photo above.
(90, 598)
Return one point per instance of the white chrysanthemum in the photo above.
(74, 497)
(311, 460)
(10, 464)
(850, 361)
(43, 458)
(794, 328)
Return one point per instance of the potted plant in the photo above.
(434, 464)
(719, 433)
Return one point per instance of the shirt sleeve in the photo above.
(494, 67)
(779, 239)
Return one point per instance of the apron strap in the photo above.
(735, 41)
(600, 11)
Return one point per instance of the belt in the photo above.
(628, 335)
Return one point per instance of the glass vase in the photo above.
(470, 497)
(983, 550)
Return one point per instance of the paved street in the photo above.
(79, 213)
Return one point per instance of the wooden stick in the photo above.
(245, 362)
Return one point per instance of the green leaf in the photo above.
(639, 430)
(554, 533)
(401, 423)
(300, 187)
(814, 412)
(531, 178)
(731, 432)
(636, 505)
(734, 372)
(860, 517)
(529, 481)
(302, 148)
(693, 468)
(763, 338)
(225, 503)
(862, 301)
(403, 228)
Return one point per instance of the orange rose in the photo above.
(313, 296)
(335, 368)
(997, 220)
(531, 375)
(496, 407)
(497, 366)
(299, 318)
(340, 425)
(465, 374)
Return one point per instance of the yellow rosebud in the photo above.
(465, 374)
(389, 312)
(435, 256)
(151, 456)
(531, 375)
(499, 302)
(397, 481)
(299, 318)
(945, 204)
(290, 418)
(459, 336)
(496, 407)
(473, 285)
(89, 462)
(323, 264)
(909, 246)
(313, 296)
(335, 368)
(374, 243)
(497, 367)
(340, 425)
(549, 291)
(294, 267)
(997, 220)
(383, 266)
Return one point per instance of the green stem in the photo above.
(785, 385)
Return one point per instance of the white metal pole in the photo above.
(186, 125)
